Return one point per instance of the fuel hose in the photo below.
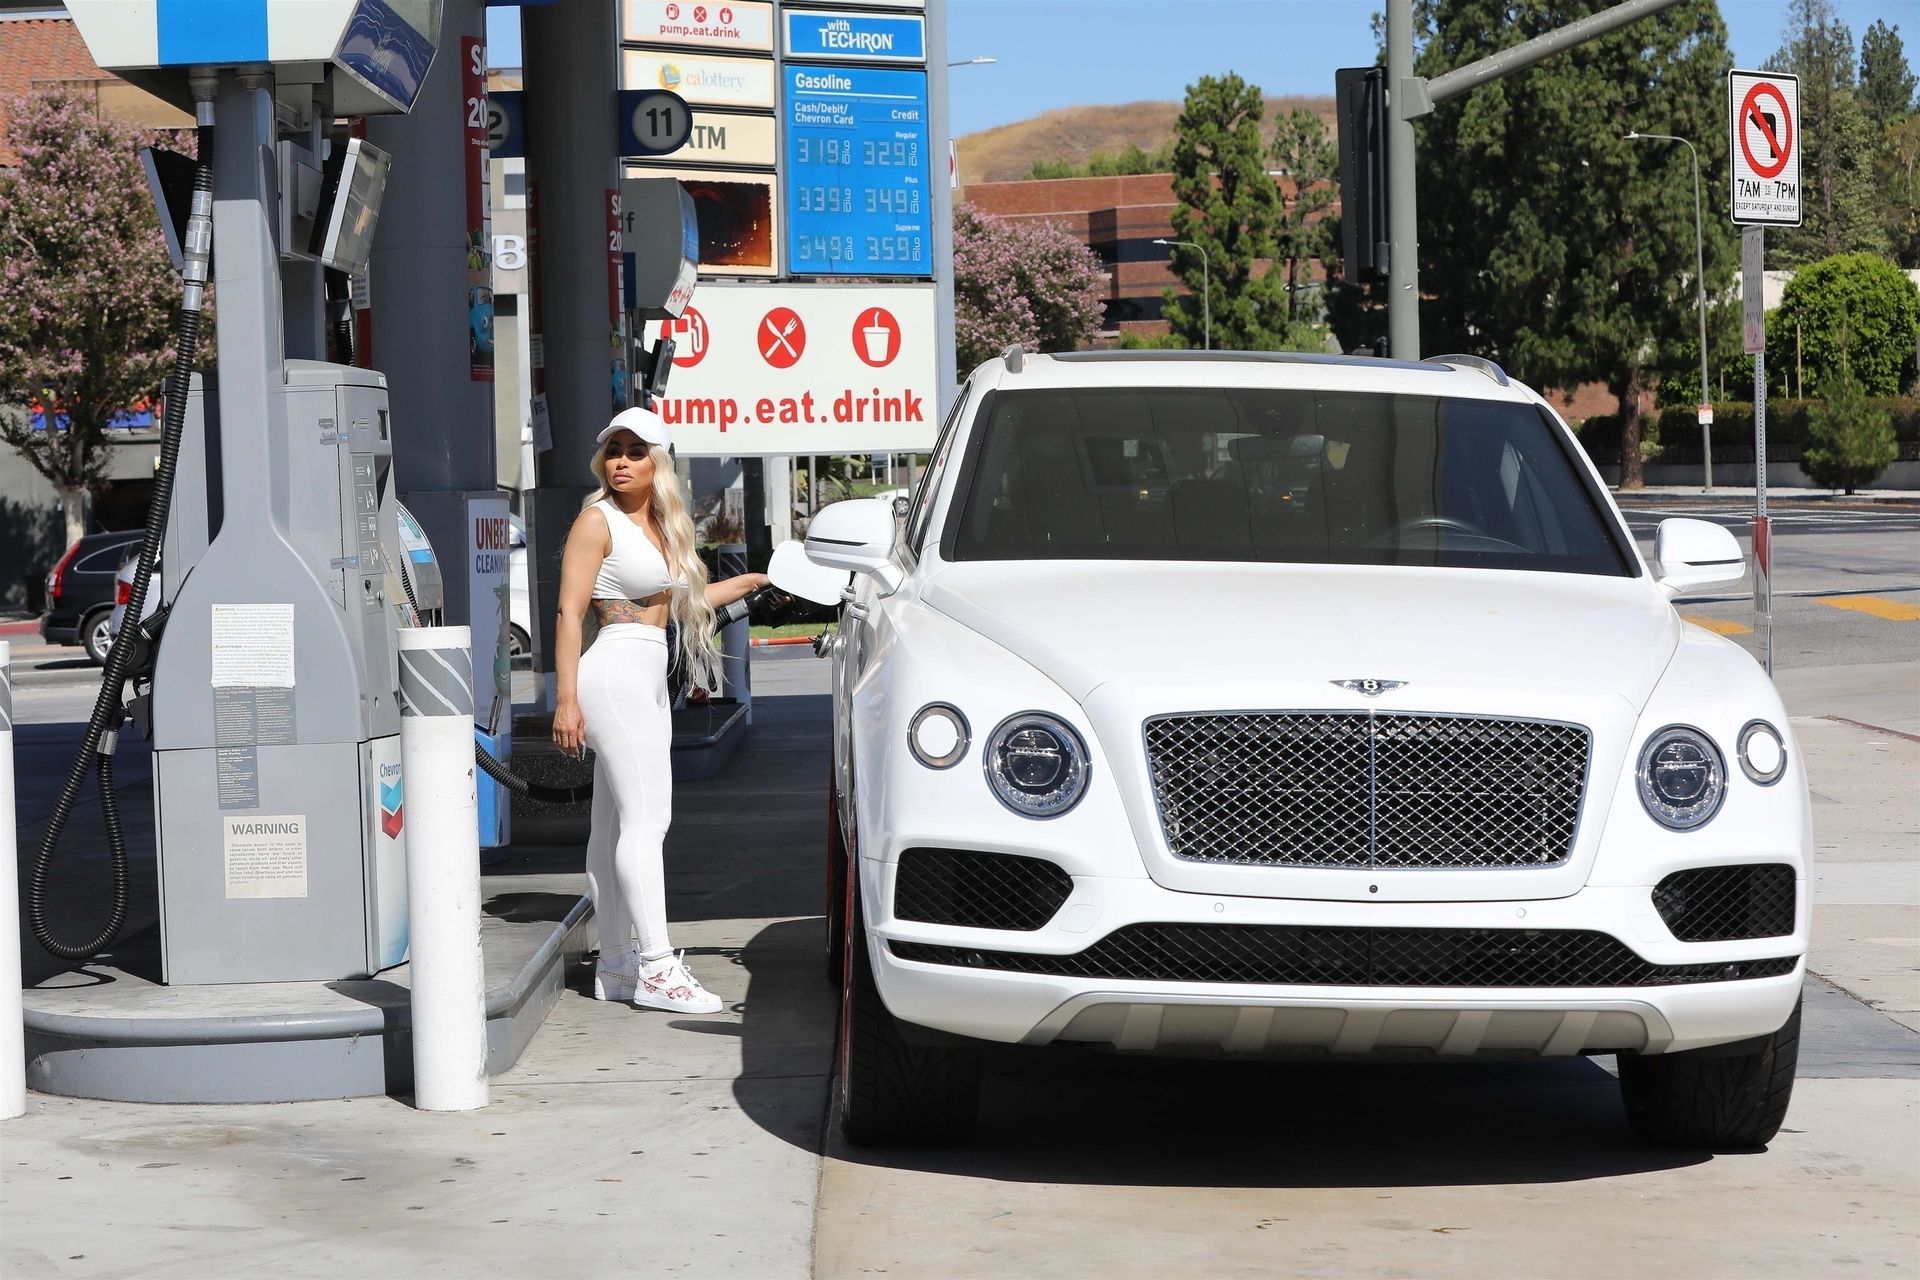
(103, 726)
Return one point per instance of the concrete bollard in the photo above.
(13, 1047)
(443, 869)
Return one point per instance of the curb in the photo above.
(30, 627)
(767, 641)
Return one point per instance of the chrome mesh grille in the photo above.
(1367, 789)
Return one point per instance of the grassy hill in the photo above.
(1072, 133)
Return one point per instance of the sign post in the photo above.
(1754, 342)
(1764, 116)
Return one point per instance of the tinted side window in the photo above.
(922, 510)
(107, 559)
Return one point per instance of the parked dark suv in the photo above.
(80, 591)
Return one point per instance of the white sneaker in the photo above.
(666, 984)
(616, 974)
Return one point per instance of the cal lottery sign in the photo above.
(795, 369)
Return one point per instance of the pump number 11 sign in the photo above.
(1765, 151)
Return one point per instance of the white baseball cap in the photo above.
(645, 423)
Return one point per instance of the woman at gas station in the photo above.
(630, 560)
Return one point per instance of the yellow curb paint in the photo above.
(1878, 606)
(1719, 626)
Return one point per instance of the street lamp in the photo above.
(1700, 284)
(1206, 290)
(980, 61)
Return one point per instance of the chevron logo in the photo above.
(392, 817)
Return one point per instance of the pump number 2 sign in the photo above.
(1765, 148)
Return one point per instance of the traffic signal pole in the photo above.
(1411, 96)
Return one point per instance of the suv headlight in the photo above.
(1037, 765)
(1682, 777)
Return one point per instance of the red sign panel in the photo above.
(782, 338)
(1764, 111)
(479, 300)
(876, 337)
(689, 334)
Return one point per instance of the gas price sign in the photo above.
(857, 197)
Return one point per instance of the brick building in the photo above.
(1118, 218)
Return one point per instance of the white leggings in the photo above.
(622, 688)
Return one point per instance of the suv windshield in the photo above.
(1312, 477)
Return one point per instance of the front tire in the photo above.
(1710, 1098)
(894, 1092)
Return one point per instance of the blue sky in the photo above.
(1062, 53)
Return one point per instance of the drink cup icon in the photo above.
(878, 337)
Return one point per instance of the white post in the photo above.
(778, 486)
(13, 1048)
(443, 869)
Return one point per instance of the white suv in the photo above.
(1294, 705)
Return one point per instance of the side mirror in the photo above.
(1696, 553)
(792, 572)
(900, 508)
(856, 535)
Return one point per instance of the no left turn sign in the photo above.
(1764, 155)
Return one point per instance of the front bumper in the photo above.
(989, 1002)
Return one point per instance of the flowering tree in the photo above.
(1022, 282)
(86, 290)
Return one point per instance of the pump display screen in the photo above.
(857, 172)
(350, 206)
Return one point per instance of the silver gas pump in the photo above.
(279, 802)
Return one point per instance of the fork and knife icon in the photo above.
(780, 336)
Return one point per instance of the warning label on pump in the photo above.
(266, 856)
(252, 645)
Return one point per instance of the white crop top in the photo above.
(634, 568)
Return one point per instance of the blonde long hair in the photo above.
(692, 615)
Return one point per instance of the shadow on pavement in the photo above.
(1074, 1116)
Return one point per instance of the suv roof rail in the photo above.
(1479, 363)
(1016, 357)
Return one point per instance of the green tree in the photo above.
(1550, 242)
(86, 290)
(1305, 157)
(1856, 315)
(1841, 211)
(1227, 203)
(1897, 175)
(1849, 442)
(1886, 82)
(1131, 159)
(1049, 170)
